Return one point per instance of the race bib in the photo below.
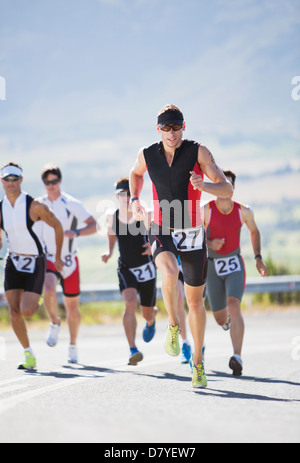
(189, 239)
(70, 265)
(227, 265)
(144, 273)
(24, 264)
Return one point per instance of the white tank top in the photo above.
(24, 236)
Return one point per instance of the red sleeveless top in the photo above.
(226, 226)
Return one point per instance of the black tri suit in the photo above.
(177, 224)
(135, 270)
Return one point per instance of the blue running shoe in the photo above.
(186, 353)
(135, 356)
(149, 332)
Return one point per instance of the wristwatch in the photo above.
(258, 256)
(132, 200)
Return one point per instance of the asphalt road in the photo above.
(103, 400)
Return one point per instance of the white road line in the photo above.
(17, 387)
(8, 403)
(12, 380)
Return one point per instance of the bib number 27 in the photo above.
(189, 239)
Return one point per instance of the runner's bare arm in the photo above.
(136, 179)
(220, 186)
(90, 229)
(205, 215)
(249, 220)
(136, 182)
(40, 211)
(112, 239)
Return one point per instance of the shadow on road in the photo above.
(74, 372)
(220, 393)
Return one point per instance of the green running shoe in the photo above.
(30, 362)
(199, 378)
(172, 345)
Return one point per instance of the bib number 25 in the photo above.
(227, 265)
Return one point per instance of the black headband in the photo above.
(123, 185)
(170, 117)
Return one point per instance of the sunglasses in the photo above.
(12, 178)
(51, 182)
(168, 128)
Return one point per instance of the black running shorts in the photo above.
(146, 290)
(194, 263)
(29, 282)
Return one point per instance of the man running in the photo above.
(21, 218)
(136, 271)
(176, 168)
(226, 278)
(69, 211)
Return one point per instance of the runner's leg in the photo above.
(197, 318)
(130, 296)
(181, 311)
(167, 264)
(73, 317)
(149, 314)
(14, 301)
(50, 297)
(221, 316)
(30, 304)
(237, 328)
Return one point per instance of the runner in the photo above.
(21, 218)
(69, 211)
(176, 168)
(136, 271)
(226, 279)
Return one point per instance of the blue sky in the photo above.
(85, 79)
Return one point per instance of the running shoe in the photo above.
(30, 362)
(149, 332)
(199, 378)
(227, 325)
(172, 345)
(135, 356)
(186, 353)
(73, 354)
(41, 300)
(236, 365)
(53, 335)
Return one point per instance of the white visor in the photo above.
(11, 170)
